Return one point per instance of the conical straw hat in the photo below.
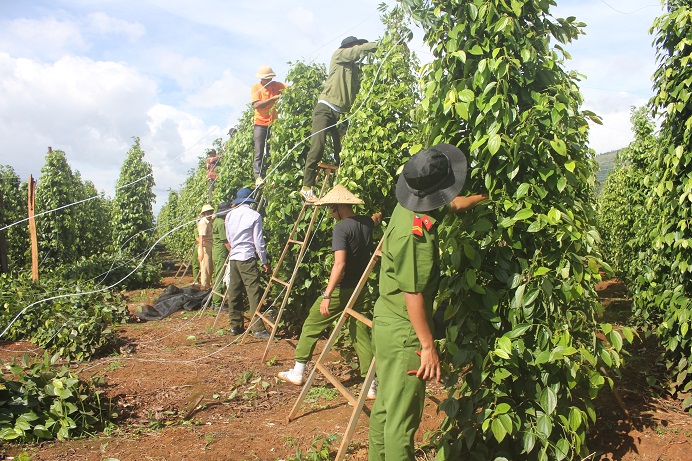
(339, 196)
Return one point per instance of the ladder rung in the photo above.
(217, 293)
(360, 317)
(280, 281)
(335, 381)
(326, 166)
(267, 319)
(299, 242)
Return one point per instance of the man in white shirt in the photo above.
(244, 234)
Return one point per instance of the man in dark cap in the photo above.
(245, 236)
(219, 251)
(405, 354)
(340, 90)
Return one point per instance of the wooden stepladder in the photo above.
(262, 311)
(320, 364)
(186, 263)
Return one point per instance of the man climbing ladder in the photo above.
(352, 246)
(340, 90)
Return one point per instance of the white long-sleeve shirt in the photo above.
(244, 234)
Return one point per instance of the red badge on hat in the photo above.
(417, 226)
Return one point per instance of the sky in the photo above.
(86, 76)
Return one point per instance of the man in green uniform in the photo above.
(340, 90)
(405, 353)
(219, 252)
(352, 247)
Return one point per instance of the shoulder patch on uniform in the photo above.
(427, 222)
(417, 226)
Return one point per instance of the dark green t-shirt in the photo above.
(410, 263)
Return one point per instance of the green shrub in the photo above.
(42, 402)
(73, 322)
(109, 270)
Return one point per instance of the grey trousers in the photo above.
(261, 135)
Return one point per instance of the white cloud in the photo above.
(187, 72)
(229, 90)
(47, 38)
(90, 110)
(105, 24)
(301, 18)
(615, 133)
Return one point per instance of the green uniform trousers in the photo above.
(398, 410)
(219, 254)
(244, 274)
(316, 323)
(322, 117)
(195, 265)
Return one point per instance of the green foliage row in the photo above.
(235, 171)
(132, 218)
(41, 402)
(289, 144)
(663, 289)
(623, 217)
(74, 322)
(523, 358)
(110, 270)
(175, 222)
(73, 232)
(14, 208)
(646, 203)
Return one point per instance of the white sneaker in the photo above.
(308, 195)
(291, 376)
(372, 392)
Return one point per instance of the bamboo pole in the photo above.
(32, 228)
(4, 263)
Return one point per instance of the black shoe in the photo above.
(235, 331)
(261, 334)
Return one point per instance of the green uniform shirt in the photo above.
(343, 81)
(409, 263)
(218, 235)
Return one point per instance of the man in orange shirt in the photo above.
(263, 95)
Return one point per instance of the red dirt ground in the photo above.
(184, 392)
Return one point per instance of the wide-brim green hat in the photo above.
(431, 178)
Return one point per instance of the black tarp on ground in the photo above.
(173, 299)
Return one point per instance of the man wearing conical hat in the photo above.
(352, 246)
(263, 95)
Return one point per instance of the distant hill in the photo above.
(606, 162)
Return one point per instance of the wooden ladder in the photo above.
(273, 322)
(320, 364)
(186, 263)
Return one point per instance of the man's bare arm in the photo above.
(459, 204)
